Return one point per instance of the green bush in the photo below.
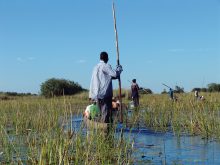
(178, 89)
(145, 91)
(58, 87)
(214, 87)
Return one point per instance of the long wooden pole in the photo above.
(167, 86)
(118, 62)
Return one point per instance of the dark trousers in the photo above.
(105, 106)
(136, 101)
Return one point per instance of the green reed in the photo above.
(186, 115)
(32, 128)
(32, 131)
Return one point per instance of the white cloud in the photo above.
(31, 58)
(19, 59)
(25, 59)
(81, 61)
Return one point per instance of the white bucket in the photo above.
(131, 105)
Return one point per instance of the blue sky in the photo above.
(176, 42)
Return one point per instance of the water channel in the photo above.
(152, 147)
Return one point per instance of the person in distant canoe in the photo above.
(115, 107)
(135, 93)
(171, 94)
(196, 94)
(101, 90)
(92, 112)
(202, 98)
(115, 104)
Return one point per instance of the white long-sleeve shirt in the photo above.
(101, 82)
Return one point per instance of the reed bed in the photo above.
(186, 115)
(32, 132)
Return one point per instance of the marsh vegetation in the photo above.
(35, 130)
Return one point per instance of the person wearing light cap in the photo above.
(101, 90)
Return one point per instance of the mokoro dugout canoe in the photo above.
(91, 125)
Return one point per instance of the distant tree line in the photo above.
(49, 88)
(16, 94)
(59, 87)
(12, 95)
(212, 87)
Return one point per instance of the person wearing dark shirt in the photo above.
(134, 93)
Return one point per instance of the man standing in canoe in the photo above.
(171, 94)
(101, 90)
(135, 93)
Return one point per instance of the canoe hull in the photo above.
(94, 125)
